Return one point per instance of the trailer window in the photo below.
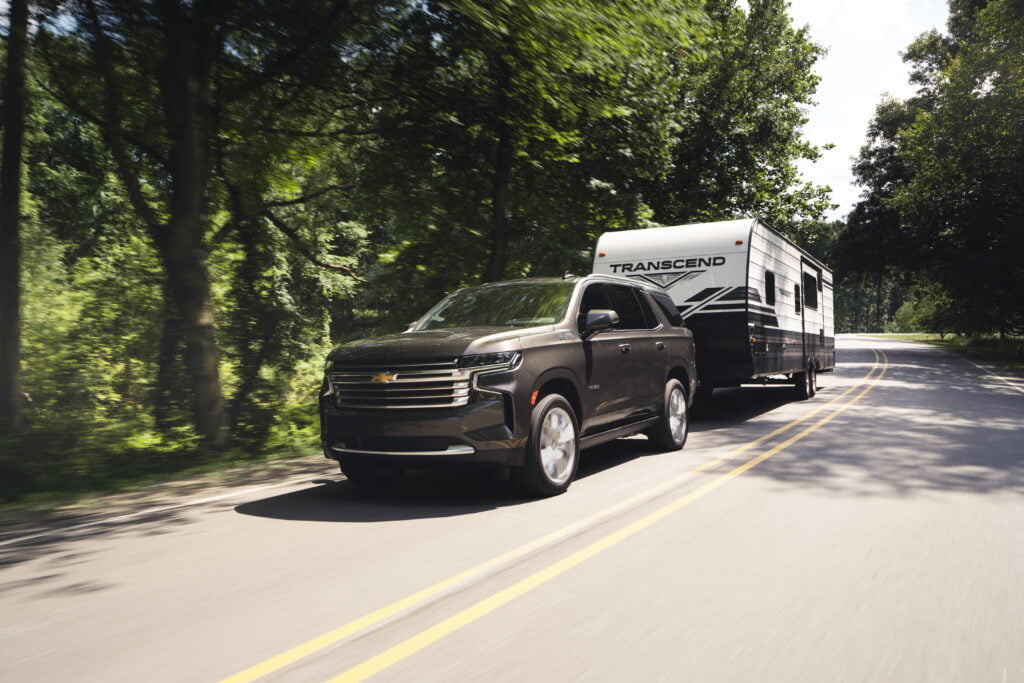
(810, 291)
(769, 288)
(668, 307)
(796, 297)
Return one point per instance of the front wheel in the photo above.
(670, 431)
(553, 449)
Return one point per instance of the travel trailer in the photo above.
(759, 306)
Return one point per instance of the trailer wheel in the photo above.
(806, 383)
(671, 430)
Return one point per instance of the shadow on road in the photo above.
(423, 493)
(447, 493)
(932, 424)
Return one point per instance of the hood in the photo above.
(435, 344)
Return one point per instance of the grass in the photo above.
(1005, 352)
(208, 469)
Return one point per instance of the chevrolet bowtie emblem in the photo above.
(384, 377)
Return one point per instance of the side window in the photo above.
(631, 316)
(668, 307)
(650, 319)
(810, 291)
(769, 288)
(796, 297)
(594, 296)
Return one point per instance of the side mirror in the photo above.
(600, 319)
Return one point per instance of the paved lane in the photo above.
(884, 544)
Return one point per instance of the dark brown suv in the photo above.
(521, 374)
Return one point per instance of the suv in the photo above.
(519, 374)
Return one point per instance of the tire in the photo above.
(553, 449)
(669, 433)
(372, 478)
(806, 383)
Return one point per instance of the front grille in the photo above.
(405, 384)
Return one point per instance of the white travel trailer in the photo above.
(759, 305)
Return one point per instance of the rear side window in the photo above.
(625, 303)
(650, 319)
(668, 307)
(769, 288)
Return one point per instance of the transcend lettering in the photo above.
(668, 264)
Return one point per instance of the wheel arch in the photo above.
(680, 373)
(556, 382)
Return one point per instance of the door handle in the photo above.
(660, 345)
(624, 348)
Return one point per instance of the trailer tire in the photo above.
(806, 383)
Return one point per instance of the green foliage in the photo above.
(928, 308)
(742, 111)
(944, 176)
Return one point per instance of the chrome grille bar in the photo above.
(402, 385)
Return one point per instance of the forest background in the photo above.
(198, 199)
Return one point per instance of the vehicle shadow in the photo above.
(424, 493)
(447, 493)
(732, 406)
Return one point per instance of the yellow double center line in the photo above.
(474, 612)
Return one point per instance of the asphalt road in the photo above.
(875, 532)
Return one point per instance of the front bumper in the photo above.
(480, 433)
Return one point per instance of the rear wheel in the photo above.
(375, 478)
(806, 383)
(553, 449)
(670, 432)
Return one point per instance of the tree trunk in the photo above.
(10, 218)
(497, 257)
(167, 376)
(186, 98)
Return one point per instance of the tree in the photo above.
(176, 85)
(10, 216)
(741, 113)
(487, 158)
(966, 158)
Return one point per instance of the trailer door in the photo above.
(813, 318)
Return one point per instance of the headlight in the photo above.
(504, 360)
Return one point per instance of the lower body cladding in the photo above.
(479, 433)
(744, 353)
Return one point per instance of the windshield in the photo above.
(519, 305)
